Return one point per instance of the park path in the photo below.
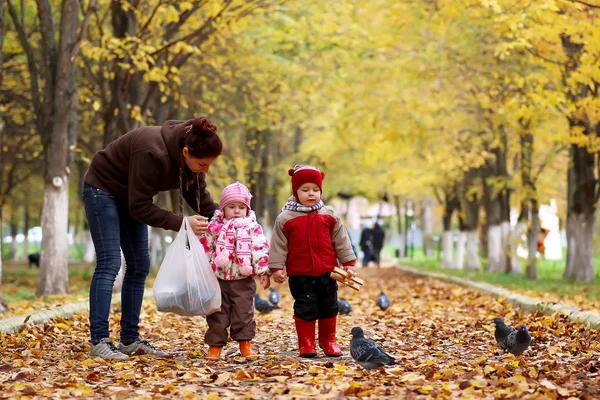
(440, 333)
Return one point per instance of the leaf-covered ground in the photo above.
(441, 335)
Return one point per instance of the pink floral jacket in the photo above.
(260, 249)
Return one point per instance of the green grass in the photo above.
(19, 282)
(549, 278)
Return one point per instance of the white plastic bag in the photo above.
(186, 283)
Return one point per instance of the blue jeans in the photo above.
(112, 229)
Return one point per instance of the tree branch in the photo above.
(533, 53)
(35, 90)
(88, 15)
(585, 3)
(152, 15)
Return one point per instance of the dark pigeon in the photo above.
(511, 340)
(383, 301)
(274, 297)
(263, 306)
(367, 353)
(344, 308)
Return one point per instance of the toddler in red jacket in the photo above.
(308, 240)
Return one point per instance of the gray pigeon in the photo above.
(274, 296)
(383, 301)
(262, 305)
(511, 340)
(344, 308)
(367, 353)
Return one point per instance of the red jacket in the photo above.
(309, 243)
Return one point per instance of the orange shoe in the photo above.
(246, 350)
(214, 353)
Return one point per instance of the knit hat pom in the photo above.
(245, 270)
(291, 171)
(222, 259)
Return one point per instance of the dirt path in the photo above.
(441, 335)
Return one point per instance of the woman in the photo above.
(119, 186)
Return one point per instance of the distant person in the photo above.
(118, 193)
(34, 259)
(366, 245)
(378, 238)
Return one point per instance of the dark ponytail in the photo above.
(202, 140)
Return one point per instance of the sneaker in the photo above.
(140, 347)
(105, 349)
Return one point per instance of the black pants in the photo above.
(315, 296)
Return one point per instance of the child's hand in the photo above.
(279, 276)
(350, 268)
(265, 281)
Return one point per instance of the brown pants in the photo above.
(237, 313)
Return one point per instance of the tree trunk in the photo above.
(447, 243)
(14, 231)
(118, 285)
(496, 255)
(89, 253)
(428, 227)
(461, 248)
(583, 183)
(54, 270)
(26, 226)
(582, 200)
(469, 218)
(472, 263)
(532, 240)
(582, 262)
(447, 250)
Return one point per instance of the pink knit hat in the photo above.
(235, 192)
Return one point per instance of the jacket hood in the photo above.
(172, 134)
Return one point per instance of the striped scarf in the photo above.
(293, 205)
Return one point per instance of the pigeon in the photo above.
(344, 308)
(367, 353)
(274, 297)
(511, 340)
(263, 306)
(383, 301)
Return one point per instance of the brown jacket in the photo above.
(142, 163)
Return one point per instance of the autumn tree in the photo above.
(52, 91)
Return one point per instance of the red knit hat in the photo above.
(302, 174)
(235, 192)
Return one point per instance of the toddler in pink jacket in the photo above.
(237, 250)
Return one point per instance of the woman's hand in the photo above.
(198, 223)
(265, 281)
(279, 276)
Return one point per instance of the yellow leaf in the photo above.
(88, 362)
(489, 369)
(185, 6)
(96, 105)
(426, 389)
(62, 326)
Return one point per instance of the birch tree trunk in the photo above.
(428, 227)
(55, 126)
(472, 263)
(461, 248)
(583, 183)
